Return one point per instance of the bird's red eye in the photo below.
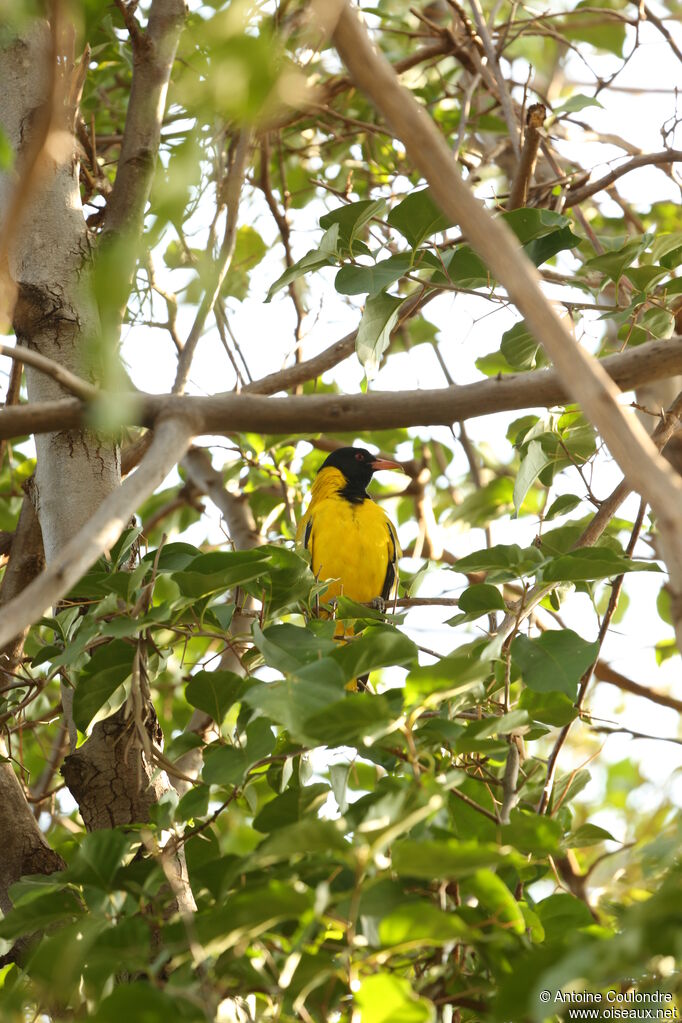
(360, 457)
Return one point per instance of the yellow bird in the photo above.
(352, 541)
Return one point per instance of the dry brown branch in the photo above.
(605, 673)
(529, 154)
(578, 195)
(656, 21)
(584, 377)
(171, 439)
(233, 189)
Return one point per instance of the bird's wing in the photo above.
(390, 587)
(304, 530)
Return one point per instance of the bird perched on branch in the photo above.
(352, 541)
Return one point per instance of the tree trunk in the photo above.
(49, 261)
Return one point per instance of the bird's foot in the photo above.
(378, 604)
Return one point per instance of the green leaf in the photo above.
(358, 717)
(520, 348)
(562, 506)
(288, 703)
(355, 280)
(575, 103)
(447, 860)
(554, 662)
(379, 317)
(291, 806)
(387, 998)
(141, 1002)
(351, 219)
(532, 464)
(600, 31)
(554, 709)
(495, 899)
(529, 223)
(219, 571)
(378, 647)
(542, 249)
(465, 268)
(215, 692)
(173, 557)
(590, 563)
(303, 837)
(481, 598)
(106, 670)
(249, 250)
(613, 264)
(506, 560)
(418, 217)
(54, 907)
(228, 765)
(290, 578)
(288, 647)
(316, 259)
(420, 923)
(532, 833)
(99, 856)
(561, 914)
(667, 250)
(123, 545)
(588, 834)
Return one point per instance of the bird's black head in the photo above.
(357, 466)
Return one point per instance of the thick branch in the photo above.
(231, 413)
(171, 439)
(152, 65)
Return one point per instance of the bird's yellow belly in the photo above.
(350, 544)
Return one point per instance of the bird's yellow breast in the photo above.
(350, 543)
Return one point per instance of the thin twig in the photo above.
(576, 196)
(232, 195)
(68, 380)
(505, 99)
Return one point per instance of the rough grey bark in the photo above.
(23, 849)
(23, 846)
(49, 262)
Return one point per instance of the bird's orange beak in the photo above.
(386, 463)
